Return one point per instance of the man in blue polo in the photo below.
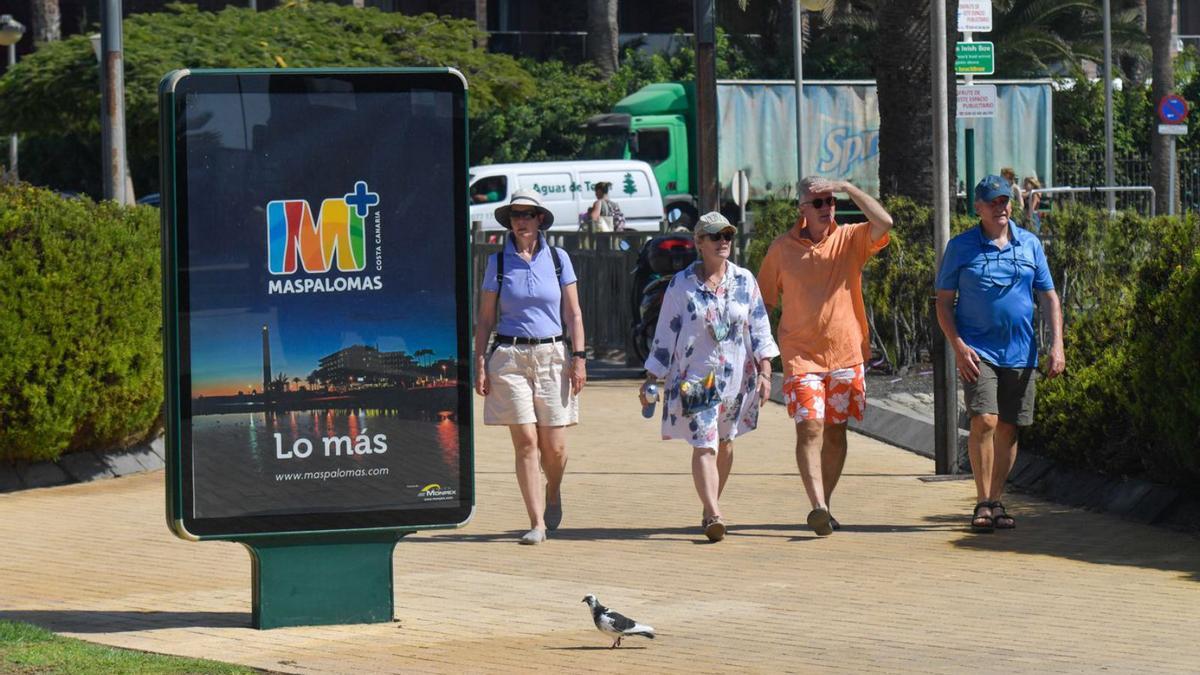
(994, 270)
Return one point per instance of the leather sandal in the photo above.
(981, 522)
(1002, 520)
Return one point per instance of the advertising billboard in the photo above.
(316, 301)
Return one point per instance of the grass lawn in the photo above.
(29, 650)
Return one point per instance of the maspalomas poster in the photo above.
(322, 272)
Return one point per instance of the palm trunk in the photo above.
(602, 36)
(902, 75)
(47, 21)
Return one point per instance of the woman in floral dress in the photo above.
(713, 349)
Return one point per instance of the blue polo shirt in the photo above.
(531, 296)
(994, 314)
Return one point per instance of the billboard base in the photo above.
(322, 580)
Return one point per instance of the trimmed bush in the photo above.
(80, 317)
(1129, 403)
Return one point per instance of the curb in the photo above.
(82, 467)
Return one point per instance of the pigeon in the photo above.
(614, 624)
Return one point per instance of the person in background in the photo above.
(817, 267)
(1033, 220)
(713, 348)
(532, 375)
(1011, 176)
(993, 271)
(601, 213)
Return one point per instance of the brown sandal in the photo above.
(981, 522)
(1002, 520)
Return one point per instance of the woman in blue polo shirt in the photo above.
(532, 375)
(993, 271)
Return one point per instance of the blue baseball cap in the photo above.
(991, 187)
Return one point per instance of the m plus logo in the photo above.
(339, 232)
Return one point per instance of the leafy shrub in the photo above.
(80, 351)
(1129, 403)
(772, 217)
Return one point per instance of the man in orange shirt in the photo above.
(817, 266)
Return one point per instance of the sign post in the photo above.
(740, 189)
(1172, 117)
(317, 364)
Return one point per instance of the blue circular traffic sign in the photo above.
(1172, 109)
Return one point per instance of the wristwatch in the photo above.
(580, 355)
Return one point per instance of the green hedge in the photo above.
(80, 350)
(1129, 403)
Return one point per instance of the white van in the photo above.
(568, 189)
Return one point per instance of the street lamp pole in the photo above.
(1109, 174)
(11, 32)
(945, 392)
(798, 29)
(112, 102)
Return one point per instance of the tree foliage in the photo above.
(53, 97)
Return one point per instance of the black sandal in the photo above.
(1002, 520)
(980, 522)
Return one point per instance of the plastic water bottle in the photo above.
(652, 397)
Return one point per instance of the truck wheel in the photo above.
(681, 216)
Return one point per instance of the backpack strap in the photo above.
(557, 264)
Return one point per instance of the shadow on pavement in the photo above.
(96, 621)
(588, 649)
(790, 531)
(1064, 532)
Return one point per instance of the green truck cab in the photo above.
(658, 125)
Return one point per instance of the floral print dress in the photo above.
(702, 332)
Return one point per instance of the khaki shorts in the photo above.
(530, 384)
(1008, 393)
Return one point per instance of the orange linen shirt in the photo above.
(824, 323)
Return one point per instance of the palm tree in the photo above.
(1035, 38)
(47, 21)
(602, 36)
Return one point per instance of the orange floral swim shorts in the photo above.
(833, 396)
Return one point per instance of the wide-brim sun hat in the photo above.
(712, 223)
(525, 198)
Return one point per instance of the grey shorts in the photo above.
(1008, 393)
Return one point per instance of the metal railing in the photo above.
(1098, 190)
(1087, 169)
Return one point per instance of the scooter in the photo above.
(659, 259)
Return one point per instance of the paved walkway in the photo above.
(903, 587)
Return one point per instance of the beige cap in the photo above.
(712, 223)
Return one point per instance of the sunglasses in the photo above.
(725, 236)
(818, 203)
(513, 215)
